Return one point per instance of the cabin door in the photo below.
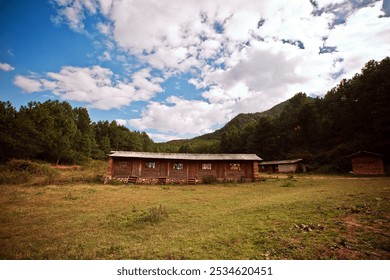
(164, 169)
(192, 166)
(221, 170)
(135, 167)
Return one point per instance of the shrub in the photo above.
(18, 171)
(24, 165)
(13, 177)
(153, 215)
(209, 180)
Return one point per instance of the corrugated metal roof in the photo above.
(180, 156)
(288, 161)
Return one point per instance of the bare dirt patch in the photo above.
(353, 243)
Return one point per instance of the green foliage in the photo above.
(195, 145)
(53, 131)
(7, 123)
(27, 165)
(352, 116)
(209, 180)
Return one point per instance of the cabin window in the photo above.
(235, 166)
(150, 164)
(122, 164)
(206, 166)
(178, 166)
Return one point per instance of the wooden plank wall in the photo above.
(221, 170)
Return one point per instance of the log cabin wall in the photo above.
(149, 170)
(367, 164)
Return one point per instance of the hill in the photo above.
(211, 142)
(352, 116)
(243, 120)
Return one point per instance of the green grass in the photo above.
(308, 217)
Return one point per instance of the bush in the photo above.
(23, 165)
(153, 215)
(13, 177)
(209, 180)
(18, 171)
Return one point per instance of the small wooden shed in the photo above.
(283, 166)
(367, 163)
(145, 167)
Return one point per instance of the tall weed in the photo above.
(18, 171)
(153, 215)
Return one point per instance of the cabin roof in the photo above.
(181, 156)
(364, 153)
(287, 161)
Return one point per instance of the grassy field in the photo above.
(307, 217)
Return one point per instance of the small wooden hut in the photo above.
(155, 168)
(367, 163)
(283, 166)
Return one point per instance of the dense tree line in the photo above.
(54, 131)
(352, 116)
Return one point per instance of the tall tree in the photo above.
(7, 130)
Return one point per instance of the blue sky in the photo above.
(179, 69)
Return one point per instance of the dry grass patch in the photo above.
(309, 219)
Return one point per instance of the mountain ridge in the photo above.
(240, 120)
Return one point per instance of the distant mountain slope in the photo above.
(242, 120)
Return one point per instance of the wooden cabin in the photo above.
(153, 168)
(283, 166)
(367, 163)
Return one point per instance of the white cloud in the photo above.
(105, 6)
(182, 117)
(104, 28)
(360, 39)
(245, 56)
(28, 85)
(160, 137)
(6, 67)
(121, 122)
(72, 12)
(94, 86)
(105, 56)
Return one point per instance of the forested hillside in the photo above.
(350, 117)
(242, 120)
(54, 131)
(355, 115)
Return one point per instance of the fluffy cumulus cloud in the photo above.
(180, 116)
(244, 56)
(28, 85)
(95, 86)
